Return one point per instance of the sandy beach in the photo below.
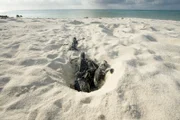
(35, 72)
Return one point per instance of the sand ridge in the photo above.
(35, 72)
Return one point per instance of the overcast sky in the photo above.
(88, 4)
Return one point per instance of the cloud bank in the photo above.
(136, 4)
(88, 4)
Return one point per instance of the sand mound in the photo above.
(35, 73)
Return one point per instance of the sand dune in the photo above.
(35, 73)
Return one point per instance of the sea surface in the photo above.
(74, 13)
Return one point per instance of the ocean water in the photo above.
(151, 14)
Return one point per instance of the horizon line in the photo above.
(93, 9)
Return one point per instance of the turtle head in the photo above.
(74, 39)
(82, 56)
(104, 64)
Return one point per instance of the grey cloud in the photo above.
(134, 1)
(145, 4)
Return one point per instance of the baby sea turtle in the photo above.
(100, 73)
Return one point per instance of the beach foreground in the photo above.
(35, 73)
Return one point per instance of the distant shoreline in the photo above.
(97, 18)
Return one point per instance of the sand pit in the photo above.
(35, 73)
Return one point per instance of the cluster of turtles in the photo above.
(89, 74)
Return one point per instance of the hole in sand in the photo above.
(93, 81)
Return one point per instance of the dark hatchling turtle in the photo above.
(81, 72)
(100, 73)
(74, 44)
(81, 85)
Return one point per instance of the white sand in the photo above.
(35, 73)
